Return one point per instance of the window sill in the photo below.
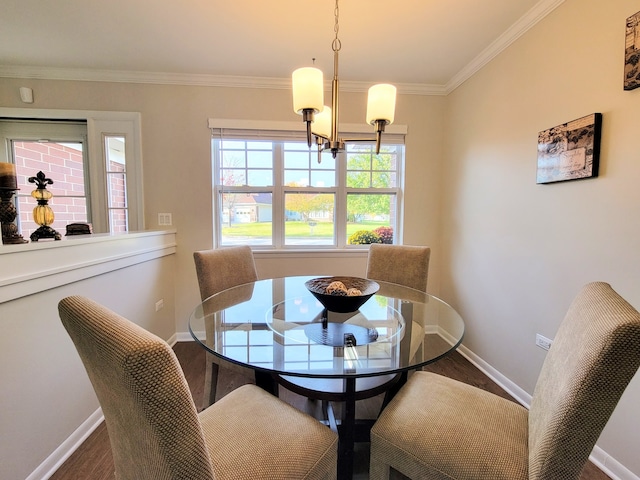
(316, 252)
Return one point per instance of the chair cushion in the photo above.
(439, 428)
(281, 441)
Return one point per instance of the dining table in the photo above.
(282, 332)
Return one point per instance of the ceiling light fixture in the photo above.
(321, 120)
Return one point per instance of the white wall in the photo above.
(516, 253)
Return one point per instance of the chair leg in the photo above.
(210, 383)
(378, 470)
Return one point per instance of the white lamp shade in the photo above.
(322, 123)
(308, 89)
(381, 104)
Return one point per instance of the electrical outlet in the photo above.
(543, 342)
(159, 305)
(164, 219)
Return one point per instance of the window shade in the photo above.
(294, 131)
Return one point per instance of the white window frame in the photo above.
(293, 131)
(99, 125)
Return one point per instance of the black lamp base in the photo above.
(45, 232)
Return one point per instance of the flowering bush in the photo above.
(363, 237)
(385, 234)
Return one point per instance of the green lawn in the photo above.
(294, 229)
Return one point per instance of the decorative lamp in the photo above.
(8, 213)
(308, 95)
(308, 102)
(42, 213)
(381, 108)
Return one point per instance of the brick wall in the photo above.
(117, 198)
(64, 165)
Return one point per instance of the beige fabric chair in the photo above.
(153, 426)
(438, 428)
(405, 265)
(401, 264)
(218, 270)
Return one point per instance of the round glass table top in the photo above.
(277, 325)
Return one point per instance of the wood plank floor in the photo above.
(93, 458)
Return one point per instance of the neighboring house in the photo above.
(248, 208)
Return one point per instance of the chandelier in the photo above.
(321, 120)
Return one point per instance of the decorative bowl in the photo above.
(339, 301)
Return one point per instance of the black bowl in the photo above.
(342, 303)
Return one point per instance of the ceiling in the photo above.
(417, 43)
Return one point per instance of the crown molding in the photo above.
(158, 78)
(526, 22)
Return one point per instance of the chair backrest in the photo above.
(151, 417)
(593, 357)
(224, 268)
(401, 264)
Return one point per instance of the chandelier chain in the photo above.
(336, 44)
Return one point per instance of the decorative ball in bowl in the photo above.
(342, 294)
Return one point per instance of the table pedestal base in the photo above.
(348, 391)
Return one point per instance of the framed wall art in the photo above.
(632, 53)
(570, 151)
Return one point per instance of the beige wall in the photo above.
(177, 179)
(516, 253)
(177, 160)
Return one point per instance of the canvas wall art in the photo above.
(632, 53)
(570, 151)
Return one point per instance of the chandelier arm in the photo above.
(307, 117)
(335, 99)
(380, 124)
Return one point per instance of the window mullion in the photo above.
(278, 195)
(341, 200)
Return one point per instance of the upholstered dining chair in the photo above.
(438, 428)
(406, 265)
(154, 428)
(218, 270)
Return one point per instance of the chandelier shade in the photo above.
(308, 90)
(321, 126)
(381, 103)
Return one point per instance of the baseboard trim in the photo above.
(60, 455)
(611, 466)
(511, 388)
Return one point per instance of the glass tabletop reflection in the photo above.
(278, 326)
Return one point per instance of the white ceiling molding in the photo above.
(531, 18)
(88, 75)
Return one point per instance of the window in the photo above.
(93, 161)
(270, 191)
(116, 172)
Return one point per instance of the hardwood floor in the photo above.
(93, 460)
